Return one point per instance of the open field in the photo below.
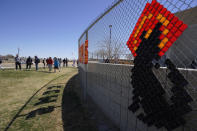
(44, 101)
(31, 100)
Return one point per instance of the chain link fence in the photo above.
(107, 75)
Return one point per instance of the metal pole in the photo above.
(86, 73)
(18, 51)
(110, 26)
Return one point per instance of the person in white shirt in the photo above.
(17, 62)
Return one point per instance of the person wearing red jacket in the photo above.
(50, 63)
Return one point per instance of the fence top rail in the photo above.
(116, 2)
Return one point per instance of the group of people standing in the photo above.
(29, 62)
(56, 62)
(49, 62)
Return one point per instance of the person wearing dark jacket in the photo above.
(28, 63)
(36, 61)
(44, 62)
(66, 62)
(0, 63)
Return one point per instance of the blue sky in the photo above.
(46, 27)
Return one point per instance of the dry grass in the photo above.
(16, 87)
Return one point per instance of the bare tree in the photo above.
(102, 53)
(110, 50)
(116, 48)
(129, 57)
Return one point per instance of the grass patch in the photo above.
(42, 112)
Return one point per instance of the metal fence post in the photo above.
(85, 73)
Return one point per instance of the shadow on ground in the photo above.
(47, 99)
(40, 111)
(52, 91)
(86, 116)
(75, 117)
(50, 99)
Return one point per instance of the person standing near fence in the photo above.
(0, 64)
(47, 62)
(60, 62)
(36, 61)
(28, 63)
(66, 62)
(50, 63)
(17, 62)
(44, 62)
(56, 64)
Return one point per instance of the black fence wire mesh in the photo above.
(107, 40)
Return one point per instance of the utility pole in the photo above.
(18, 51)
(110, 27)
